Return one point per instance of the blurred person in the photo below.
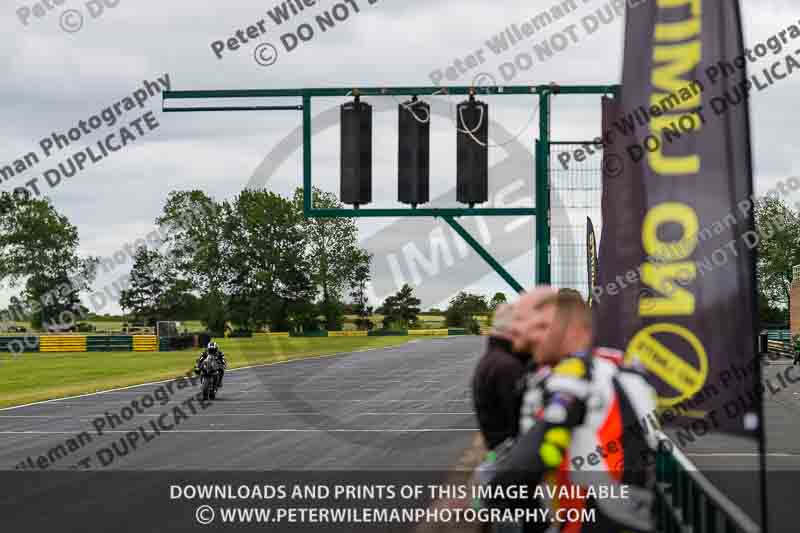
(525, 316)
(499, 384)
(575, 426)
(495, 384)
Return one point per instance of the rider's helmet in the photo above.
(212, 348)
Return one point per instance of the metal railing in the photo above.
(687, 502)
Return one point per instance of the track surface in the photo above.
(395, 408)
(401, 408)
(733, 465)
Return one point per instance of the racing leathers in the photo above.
(586, 422)
(220, 355)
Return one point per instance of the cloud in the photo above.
(53, 79)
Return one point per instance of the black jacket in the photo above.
(220, 358)
(497, 391)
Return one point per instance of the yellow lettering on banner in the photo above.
(670, 367)
(678, 301)
(677, 60)
(677, 53)
(673, 63)
(679, 31)
(664, 213)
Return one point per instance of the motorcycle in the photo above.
(209, 377)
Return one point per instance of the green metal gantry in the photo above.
(541, 209)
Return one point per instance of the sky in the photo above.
(69, 62)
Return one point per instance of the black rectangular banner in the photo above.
(591, 259)
(677, 278)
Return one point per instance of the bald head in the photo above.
(501, 321)
(525, 317)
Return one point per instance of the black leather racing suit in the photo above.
(220, 357)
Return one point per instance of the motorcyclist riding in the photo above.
(213, 350)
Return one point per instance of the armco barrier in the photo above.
(310, 334)
(109, 343)
(780, 347)
(428, 332)
(145, 343)
(388, 333)
(348, 333)
(164, 344)
(18, 344)
(62, 343)
(779, 335)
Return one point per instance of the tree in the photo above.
(361, 309)
(770, 315)
(400, 310)
(778, 226)
(497, 299)
(39, 250)
(332, 252)
(298, 294)
(155, 291)
(145, 291)
(462, 310)
(264, 239)
(194, 224)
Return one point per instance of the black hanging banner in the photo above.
(591, 259)
(678, 288)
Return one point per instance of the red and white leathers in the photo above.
(586, 423)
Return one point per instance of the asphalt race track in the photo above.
(732, 463)
(395, 408)
(400, 414)
(401, 409)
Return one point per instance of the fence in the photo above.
(575, 194)
(686, 502)
(79, 343)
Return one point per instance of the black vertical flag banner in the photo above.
(591, 259)
(622, 211)
(683, 279)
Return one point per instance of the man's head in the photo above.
(524, 317)
(501, 321)
(563, 326)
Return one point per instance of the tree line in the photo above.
(257, 262)
(253, 261)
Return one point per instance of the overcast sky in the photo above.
(55, 76)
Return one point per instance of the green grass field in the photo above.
(41, 376)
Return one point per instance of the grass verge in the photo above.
(43, 376)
